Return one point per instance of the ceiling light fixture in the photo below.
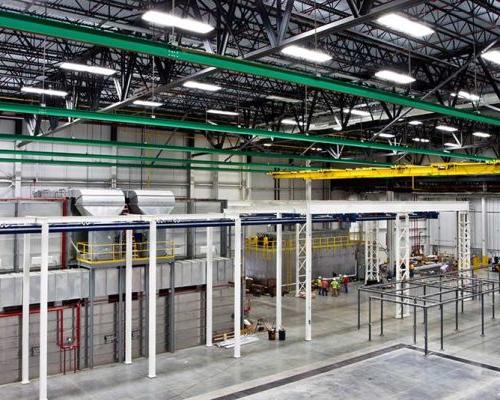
(468, 96)
(48, 92)
(492, 55)
(290, 121)
(446, 128)
(147, 103)
(421, 140)
(268, 144)
(405, 25)
(415, 122)
(453, 145)
(386, 135)
(201, 86)
(360, 113)
(166, 19)
(283, 99)
(395, 77)
(91, 69)
(481, 134)
(222, 112)
(306, 54)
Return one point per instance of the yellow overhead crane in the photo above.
(397, 171)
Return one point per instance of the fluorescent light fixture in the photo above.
(147, 103)
(201, 86)
(361, 113)
(481, 134)
(405, 25)
(453, 145)
(290, 121)
(492, 55)
(446, 128)
(222, 112)
(421, 140)
(385, 135)
(48, 92)
(166, 19)
(268, 144)
(468, 96)
(91, 69)
(306, 54)
(319, 149)
(283, 99)
(415, 122)
(396, 77)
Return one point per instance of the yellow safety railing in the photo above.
(319, 243)
(103, 253)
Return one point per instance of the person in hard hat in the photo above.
(345, 283)
(319, 286)
(325, 285)
(265, 242)
(335, 284)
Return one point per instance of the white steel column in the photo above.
(279, 266)
(237, 287)
(128, 296)
(300, 259)
(402, 257)
(25, 375)
(464, 267)
(372, 271)
(44, 289)
(209, 288)
(484, 239)
(297, 259)
(152, 301)
(308, 260)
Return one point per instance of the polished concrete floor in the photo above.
(393, 372)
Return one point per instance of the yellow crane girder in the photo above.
(397, 171)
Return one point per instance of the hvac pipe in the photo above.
(25, 356)
(48, 27)
(235, 130)
(183, 149)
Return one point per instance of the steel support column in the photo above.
(464, 265)
(209, 287)
(308, 281)
(237, 288)
(279, 266)
(152, 301)
(25, 378)
(372, 271)
(128, 296)
(44, 289)
(402, 258)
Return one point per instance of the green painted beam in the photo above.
(200, 126)
(124, 165)
(99, 37)
(264, 166)
(184, 149)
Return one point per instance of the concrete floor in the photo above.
(208, 373)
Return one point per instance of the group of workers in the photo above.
(335, 283)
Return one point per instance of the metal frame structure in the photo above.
(402, 250)
(372, 265)
(430, 292)
(291, 213)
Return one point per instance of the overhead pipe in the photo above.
(200, 126)
(99, 37)
(184, 149)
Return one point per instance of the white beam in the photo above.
(237, 287)
(152, 301)
(279, 266)
(44, 288)
(209, 288)
(128, 296)
(25, 378)
(484, 239)
(308, 326)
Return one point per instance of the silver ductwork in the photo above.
(150, 202)
(98, 202)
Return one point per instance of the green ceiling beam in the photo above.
(200, 126)
(265, 167)
(124, 165)
(184, 149)
(99, 37)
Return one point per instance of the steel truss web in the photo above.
(463, 248)
(300, 258)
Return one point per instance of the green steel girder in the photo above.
(265, 167)
(48, 27)
(199, 126)
(124, 165)
(184, 149)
